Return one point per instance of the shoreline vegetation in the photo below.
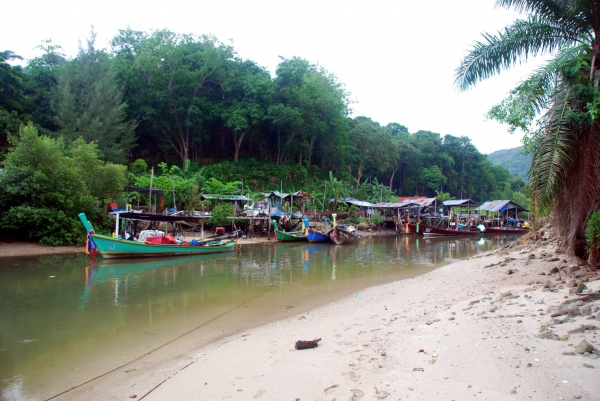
(507, 324)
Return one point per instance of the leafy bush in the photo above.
(50, 226)
(592, 234)
(376, 218)
(220, 213)
(46, 184)
(354, 220)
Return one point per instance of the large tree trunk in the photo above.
(392, 177)
(238, 142)
(278, 146)
(359, 174)
(579, 196)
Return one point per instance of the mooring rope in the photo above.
(156, 349)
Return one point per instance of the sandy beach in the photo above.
(486, 327)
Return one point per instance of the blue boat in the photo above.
(317, 236)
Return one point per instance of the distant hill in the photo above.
(514, 162)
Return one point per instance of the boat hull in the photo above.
(340, 236)
(110, 247)
(505, 230)
(292, 236)
(428, 231)
(317, 236)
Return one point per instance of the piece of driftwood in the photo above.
(565, 311)
(588, 297)
(301, 344)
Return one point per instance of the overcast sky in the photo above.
(396, 58)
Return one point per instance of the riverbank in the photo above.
(30, 248)
(481, 327)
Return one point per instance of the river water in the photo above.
(65, 320)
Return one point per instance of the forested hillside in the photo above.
(199, 119)
(513, 161)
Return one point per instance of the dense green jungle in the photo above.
(188, 114)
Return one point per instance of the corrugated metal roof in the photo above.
(501, 206)
(358, 203)
(283, 195)
(460, 202)
(226, 197)
(393, 205)
(418, 200)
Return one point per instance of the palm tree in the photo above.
(561, 99)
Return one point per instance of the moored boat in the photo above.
(317, 236)
(290, 236)
(426, 230)
(504, 230)
(114, 247)
(341, 235)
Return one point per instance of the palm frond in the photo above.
(574, 12)
(552, 154)
(518, 42)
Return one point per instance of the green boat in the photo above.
(111, 247)
(290, 236)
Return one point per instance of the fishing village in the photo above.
(287, 202)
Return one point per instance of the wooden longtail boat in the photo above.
(111, 247)
(317, 236)
(341, 235)
(426, 231)
(290, 236)
(504, 230)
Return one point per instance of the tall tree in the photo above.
(561, 97)
(12, 101)
(178, 76)
(41, 78)
(247, 95)
(89, 104)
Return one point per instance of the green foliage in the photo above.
(442, 196)
(46, 185)
(49, 226)
(220, 213)
(376, 218)
(89, 104)
(214, 186)
(138, 167)
(592, 231)
(513, 160)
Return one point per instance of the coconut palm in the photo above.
(561, 99)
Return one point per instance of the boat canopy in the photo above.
(159, 217)
(502, 206)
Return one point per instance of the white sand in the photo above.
(477, 327)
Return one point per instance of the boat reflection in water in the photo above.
(119, 270)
